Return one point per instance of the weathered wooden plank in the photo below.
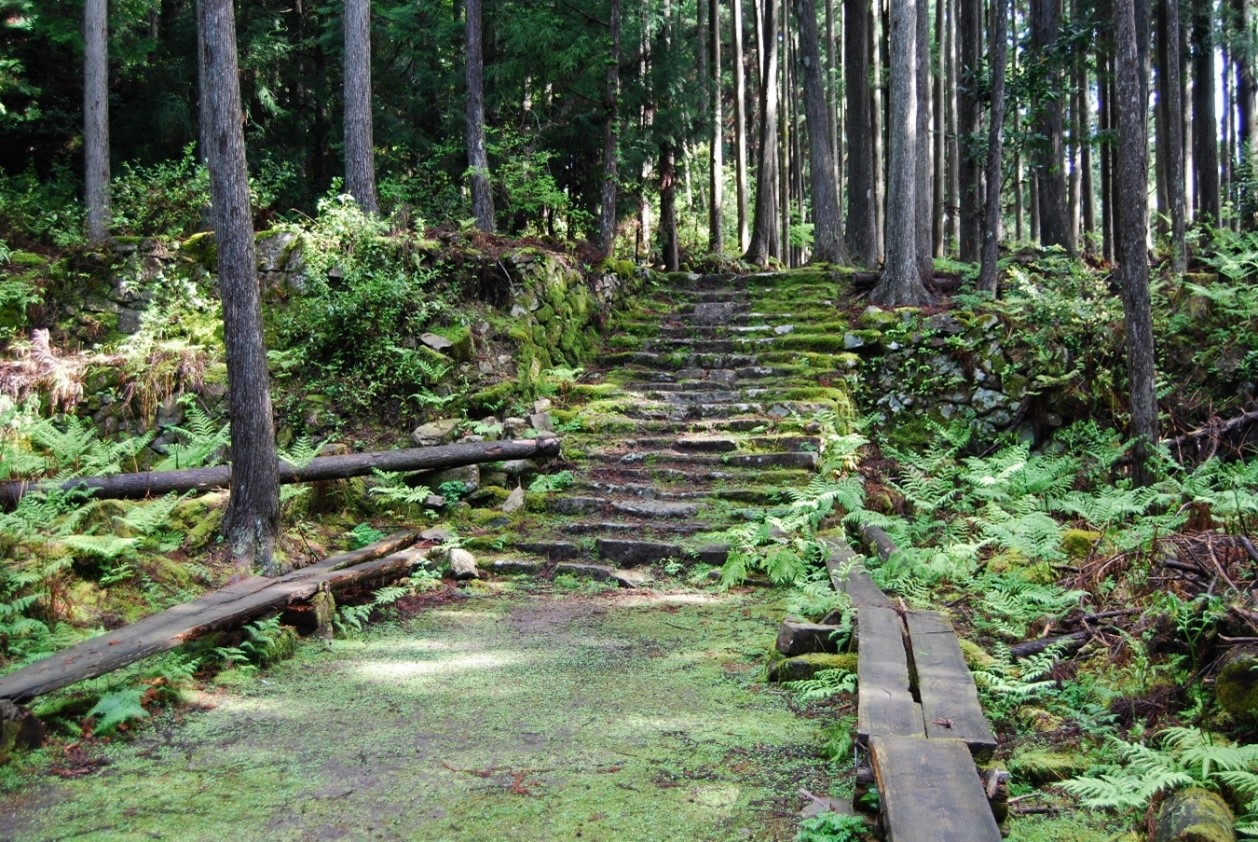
(852, 579)
(945, 686)
(885, 705)
(929, 791)
(233, 605)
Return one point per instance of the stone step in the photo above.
(684, 330)
(723, 376)
(643, 508)
(680, 360)
(647, 491)
(691, 345)
(624, 552)
(781, 459)
(693, 476)
(696, 411)
(708, 443)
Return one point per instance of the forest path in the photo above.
(511, 714)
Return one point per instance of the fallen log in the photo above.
(232, 606)
(1068, 642)
(157, 483)
(1211, 434)
(879, 540)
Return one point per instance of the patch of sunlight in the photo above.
(403, 646)
(381, 670)
(640, 599)
(719, 797)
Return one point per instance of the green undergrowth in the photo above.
(498, 714)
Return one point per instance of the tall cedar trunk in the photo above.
(862, 237)
(827, 220)
(670, 253)
(786, 140)
(740, 127)
(969, 34)
(1171, 80)
(1087, 198)
(1205, 149)
(991, 221)
(937, 145)
(922, 205)
(611, 113)
(96, 117)
(764, 242)
(833, 103)
(477, 157)
(1105, 118)
(1050, 158)
(952, 152)
(360, 157)
(252, 520)
(1133, 265)
(878, 55)
(1246, 107)
(901, 281)
(716, 170)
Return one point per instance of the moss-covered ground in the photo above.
(509, 714)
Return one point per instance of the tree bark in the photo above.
(862, 236)
(360, 156)
(740, 127)
(1087, 197)
(991, 223)
(969, 34)
(157, 483)
(1171, 79)
(1133, 266)
(922, 204)
(901, 284)
(96, 118)
(827, 220)
(1205, 150)
(764, 242)
(477, 156)
(716, 159)
(937, 145)
(252, 521)
(1246, 86)
(611, 112)
(1050, 163)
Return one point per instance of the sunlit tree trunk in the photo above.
(252, 521)
(995, 132)
(1133, 266)
(611, 112)
(862, 237)
(827, 220)
(764, 242)
(716, 211)
(922, 205)
(96, 117)
(1171, 117)
(901, 283)
(477, 156)
(740, 127)
(360, 157)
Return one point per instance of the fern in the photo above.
(104, 547)
(362, 535)
(823, 685)
(547, 483)
(202, 439)
(117, 708)
(393, 488)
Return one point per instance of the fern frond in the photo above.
(116, 708)
(823, 685)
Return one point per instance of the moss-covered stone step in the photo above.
(692, 345)
(710, 443)
(572, 504)
(682, 412)
(669, 475)
(624, 552)
(737, 494)
(780, 459)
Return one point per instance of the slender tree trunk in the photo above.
(1087, 198)
(1133, 265)
(1205, 151)
(611, 111)
(862, 237)
(827, 220)
(1105, 116)
(952, 154)
(477, 156)
(716, 215)
(360, 156)
(1019, 172)
(937, 146)
(834, 104)
(764, 228)
(787, 140)
(877, 52)
(1050, 164)
(1173, 93)
(740, 127)
(991, 222)
(96, 118)
(252, 521)
(970, 34)
(901, 282)
(922, 204)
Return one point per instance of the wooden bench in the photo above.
(929, 791)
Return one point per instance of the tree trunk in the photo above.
(1050, 163)
(1105, 117)
(878, 54)
(991, 223)
(937, 146)
(764, 242)
(252, 521)
(834, 104)
(611, 113)
(740, 128)
(360, 157)
(1205, 150)
(477, 156)
(827, 220)
(96, 118)
(969, 34)
(862, 237)
(716, 170)
(901, 284)
(1171, 80)
(1087, 197)
(952, 155)
(1133, 265)
(1246, 91)
(922, 204)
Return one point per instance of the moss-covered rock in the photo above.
(1045, 765)
(1077, 544)
(1195, 815)
(801, 667)
(1237, 685)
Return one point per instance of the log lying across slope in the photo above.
(232, 606)
(157, 483)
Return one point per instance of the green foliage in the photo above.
(351, 618)
(202, 441)
(43, 211)
(549, 483)
(362, 535)
(392, 487)
(823, 685)
(261, 638)
(167, 199)
(832, 827)
(117, 708)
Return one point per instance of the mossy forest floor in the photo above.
(522, 713)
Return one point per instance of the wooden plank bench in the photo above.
(949, 697)
(929, 791)
(885, 705)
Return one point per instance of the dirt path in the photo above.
(619, 715)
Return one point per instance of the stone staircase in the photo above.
(706, 407)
